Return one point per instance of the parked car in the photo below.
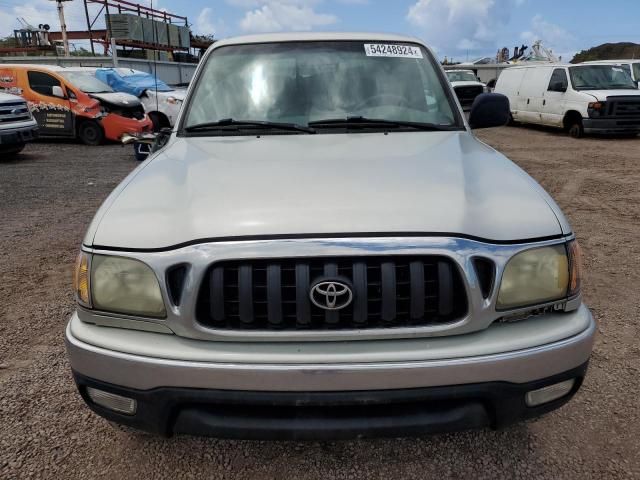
(632, 66)
(72, 103)
(17, 125)
(323, 249)
(579, 98)
(466, 85)
(161, 102)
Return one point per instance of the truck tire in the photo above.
(91, 133)
(576, 130)
(11, 151)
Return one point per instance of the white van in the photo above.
(579, 98)
(633, 66)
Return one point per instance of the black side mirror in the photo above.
(489, 110)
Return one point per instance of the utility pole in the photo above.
(63, 26)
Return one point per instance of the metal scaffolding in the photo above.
(107, 7)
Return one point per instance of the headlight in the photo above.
(118, 284)
(173, 100)
(535, 276)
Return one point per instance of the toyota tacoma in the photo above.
(323, 249)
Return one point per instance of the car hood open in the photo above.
(211, 188)
(117, 99)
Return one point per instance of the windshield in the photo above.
(461, 77)
(302, 82)
(86, 82)
(601, 77)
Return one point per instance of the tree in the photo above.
(8, 42)
(81, 52)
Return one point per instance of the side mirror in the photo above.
(558, 87)
(57, 91)
(489, 110)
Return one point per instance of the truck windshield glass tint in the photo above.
(461, 77)
(602, 77)
(302, 82)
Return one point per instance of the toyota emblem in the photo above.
(331, 295)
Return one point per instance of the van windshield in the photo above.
(602, 77)
(86, 82)
(461, 77)
(298, 83)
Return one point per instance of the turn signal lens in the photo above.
(575, 267)
(81, 280)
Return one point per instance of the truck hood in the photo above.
(601, 95)
(324, 185)
(7, 97)
(117, 99)
(467, 84)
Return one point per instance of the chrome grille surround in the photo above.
(182, 321)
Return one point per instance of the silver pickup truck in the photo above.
(323, 249)
(17, 125)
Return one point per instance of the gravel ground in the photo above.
(47, 199)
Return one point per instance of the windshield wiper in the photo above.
(230, 122)
(364, 122)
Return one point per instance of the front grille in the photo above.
(623, 106)
(388, 292)
(467, 95)
(14, 112)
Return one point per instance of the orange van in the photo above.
(73, 103)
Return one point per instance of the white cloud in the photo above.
(37, 12)
(562, 42)
(456, 26)
(207, 24)
(279, 15)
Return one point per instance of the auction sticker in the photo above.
(389, 50)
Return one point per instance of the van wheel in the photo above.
(91, 133)
(576, 130)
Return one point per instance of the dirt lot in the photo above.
(49, 196)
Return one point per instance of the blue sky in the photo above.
(456, 28)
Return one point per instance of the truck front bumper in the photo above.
(235, 399)
(612, 126)
(19, 135)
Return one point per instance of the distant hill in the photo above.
(609, 51)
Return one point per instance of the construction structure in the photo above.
(134, 30)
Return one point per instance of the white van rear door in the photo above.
(532, 93)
